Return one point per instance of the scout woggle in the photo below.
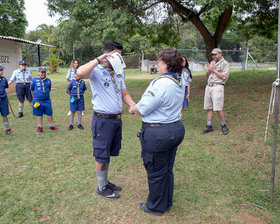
(72, 100)
(36, 105)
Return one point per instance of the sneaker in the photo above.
(107, 193)
(70, 127)
(53, 128)
(20, 114)
(9, 132)
(39, 130)
(224, 129)
(114, 187)
(208, 129)
(143, 206)
(80, 127)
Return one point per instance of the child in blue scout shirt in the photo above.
(40, 89)
(4, 109)
(76, 89)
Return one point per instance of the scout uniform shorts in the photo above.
(214, 98)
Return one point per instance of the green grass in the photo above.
(50, 177)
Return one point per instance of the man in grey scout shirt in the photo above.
(108, 90)
(217, 74)
(23, 78)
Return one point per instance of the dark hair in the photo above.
(172, 58)
(187, 66)
(72, 63)
(112, 45)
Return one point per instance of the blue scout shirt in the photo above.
(162, 101)
(70, 75)
(106, 96)
(19, 76)
(3, 85)
(41, 88)
(74, 85)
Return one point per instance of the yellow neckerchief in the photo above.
(78, 82)
(111, 71)
(43, 84)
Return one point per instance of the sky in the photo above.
(36, 14)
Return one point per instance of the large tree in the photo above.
(12, 18)
(113, 19)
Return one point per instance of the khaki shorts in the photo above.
(214, 98)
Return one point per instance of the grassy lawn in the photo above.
(50, 177)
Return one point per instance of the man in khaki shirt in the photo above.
(217, 74)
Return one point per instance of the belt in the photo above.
(157, 124)
(214, 84)
(109, 116)
(23, 83)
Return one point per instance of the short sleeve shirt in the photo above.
(3, 85)
(70, 74)
(19, 76)
(106, 95)
(223, 67)
(41, 88)
(74, 85)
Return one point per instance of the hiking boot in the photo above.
(143, 206)
(208, 129)
(107, 192)
(224, 129)
(53, 128)
(20, 114)
(9, 132)
(70, 127)
(80, 127)
(114, 187)
(39, 130)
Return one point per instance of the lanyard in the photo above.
(78, 82)
(111, 71)
(23, 76)
(43, 84)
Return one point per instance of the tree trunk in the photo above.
(211, 41)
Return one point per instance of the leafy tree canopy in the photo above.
(12, 18)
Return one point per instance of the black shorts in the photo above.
(23, 91)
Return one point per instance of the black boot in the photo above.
(208, 129)
(20, 114)
(224, 129)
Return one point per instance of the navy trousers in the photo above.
(159, 146)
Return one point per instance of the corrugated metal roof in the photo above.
(24, 41)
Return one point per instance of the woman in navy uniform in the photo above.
(162, 131)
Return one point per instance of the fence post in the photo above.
(244, 60)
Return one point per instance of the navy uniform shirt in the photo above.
(76, 84)
(3, 85)
(41, 88)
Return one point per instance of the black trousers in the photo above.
(159, 146)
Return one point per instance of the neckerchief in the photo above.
(78, 82)
(43, 84)
(23, 75)
(173, 76)
(111, 71)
